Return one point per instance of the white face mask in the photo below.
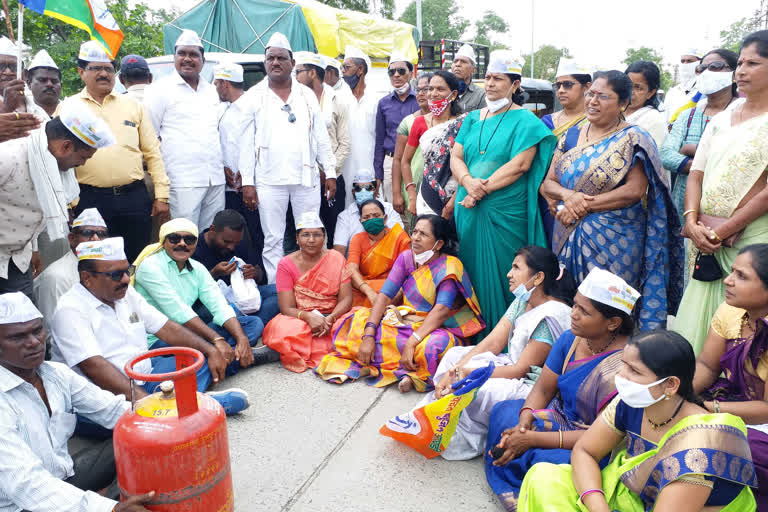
(496, 105)
(402, 90)
(687, 72)
(637, 395)
(710, 82)
(424, 257)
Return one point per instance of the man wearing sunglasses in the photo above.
(103, 322)
(348, 223)
(285, 146)
(390, 112)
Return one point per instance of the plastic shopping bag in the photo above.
(429, 429)
(244, 291)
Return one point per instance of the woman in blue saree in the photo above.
(612, 206)
(576, 382)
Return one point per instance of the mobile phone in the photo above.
(497, 452)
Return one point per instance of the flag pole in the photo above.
(20, 41)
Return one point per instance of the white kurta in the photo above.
(652, 121)
(362, 133)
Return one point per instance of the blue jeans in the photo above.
(269, 306)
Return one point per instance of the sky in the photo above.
(599, 31)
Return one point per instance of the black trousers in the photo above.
(234, 201)
(94, 467)
(17, 281)
(329, 214)
(126, 210)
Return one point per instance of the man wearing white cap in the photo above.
(184, 107)
(44, 81)
(389, 113)
(681, 94)
(38, 405)
(310, 71)
(113, 181)
(36, 186)
(333, 77)
(471, 96)
(348, 223)
(281, 153)
(102, 322)
(61, 275)
(362, 116)
(9, 55)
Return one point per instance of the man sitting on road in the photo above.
(173, 282)
(102, 323)
(37, 405)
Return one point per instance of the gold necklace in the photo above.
(745, 322)
(595, 352)
(603, 134)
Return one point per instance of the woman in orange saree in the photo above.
(373, 252)
(313, 291)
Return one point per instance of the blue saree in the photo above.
(640, 243)
(585, 386)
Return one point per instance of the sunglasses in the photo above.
(712, 66)
(175, 238)
(291, 115)
(399, 71)
(565, 84)
(117, 275)
(358, 188)
(89, 233)
(11, 66)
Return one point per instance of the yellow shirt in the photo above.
(137, 142)
(727, 324)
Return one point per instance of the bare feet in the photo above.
(405, 385)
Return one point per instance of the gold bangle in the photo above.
(299, 315)
(686, 212)
(715, 235)
(561, 438)
(214, 340)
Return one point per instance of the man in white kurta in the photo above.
(183, 107)
(279, 158)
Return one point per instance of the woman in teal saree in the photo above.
(675, 455)
(613, 210)
(500, 158)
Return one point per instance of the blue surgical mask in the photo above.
(522, 293)
(363, 196)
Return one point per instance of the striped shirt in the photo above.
(34, 460)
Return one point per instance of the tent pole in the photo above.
(418, 19)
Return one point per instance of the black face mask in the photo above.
(352, 81)
(462, 87)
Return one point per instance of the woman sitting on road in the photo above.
(523, 338)
(405, 343)
(313, 291)
(373, 252)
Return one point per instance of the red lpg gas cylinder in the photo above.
(174, 442)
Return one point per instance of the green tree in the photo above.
(439, 18)
(489, 25)
(731, 37)
(387, 9)
(141, 25)
(645, 53)
(546, 59)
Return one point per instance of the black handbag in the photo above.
(706, 268)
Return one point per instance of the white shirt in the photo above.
(676, 97)
(348, 222)
(281, 152)
(186, 122)
(652, 121)
(362, 134)
(231, 124)
(51, 284)
(34, 459)
(84, 327)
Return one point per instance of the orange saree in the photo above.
(376, 260)
(316, 290)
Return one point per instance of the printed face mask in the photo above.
(439, 106)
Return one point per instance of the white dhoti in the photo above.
(472, 430)
(198, 204)
(385, 193)
(273, 205)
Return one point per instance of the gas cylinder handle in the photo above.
(188, 361)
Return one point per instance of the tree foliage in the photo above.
(731, 37)
(546, 59)
(645, 53)
(491, 24)
(141, 25)
(439, 19)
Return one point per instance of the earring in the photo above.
(666, 395)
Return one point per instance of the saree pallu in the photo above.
(704, 444)
(419, 295)
(505, 220)
(377, 261)
(737, 156)
(317, 289)
(585, 387)
(640, 243)
(438, 185)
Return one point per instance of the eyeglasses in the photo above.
(565, 84)
(11, 66)
(601, 97)
(98, 69)
(713, 66)
(399, 71)
(117, 275)
(90, 233)
(291, 115)
(357, 188)
(422, 90)
(308, 236)
(175, 238)
(301, 70)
